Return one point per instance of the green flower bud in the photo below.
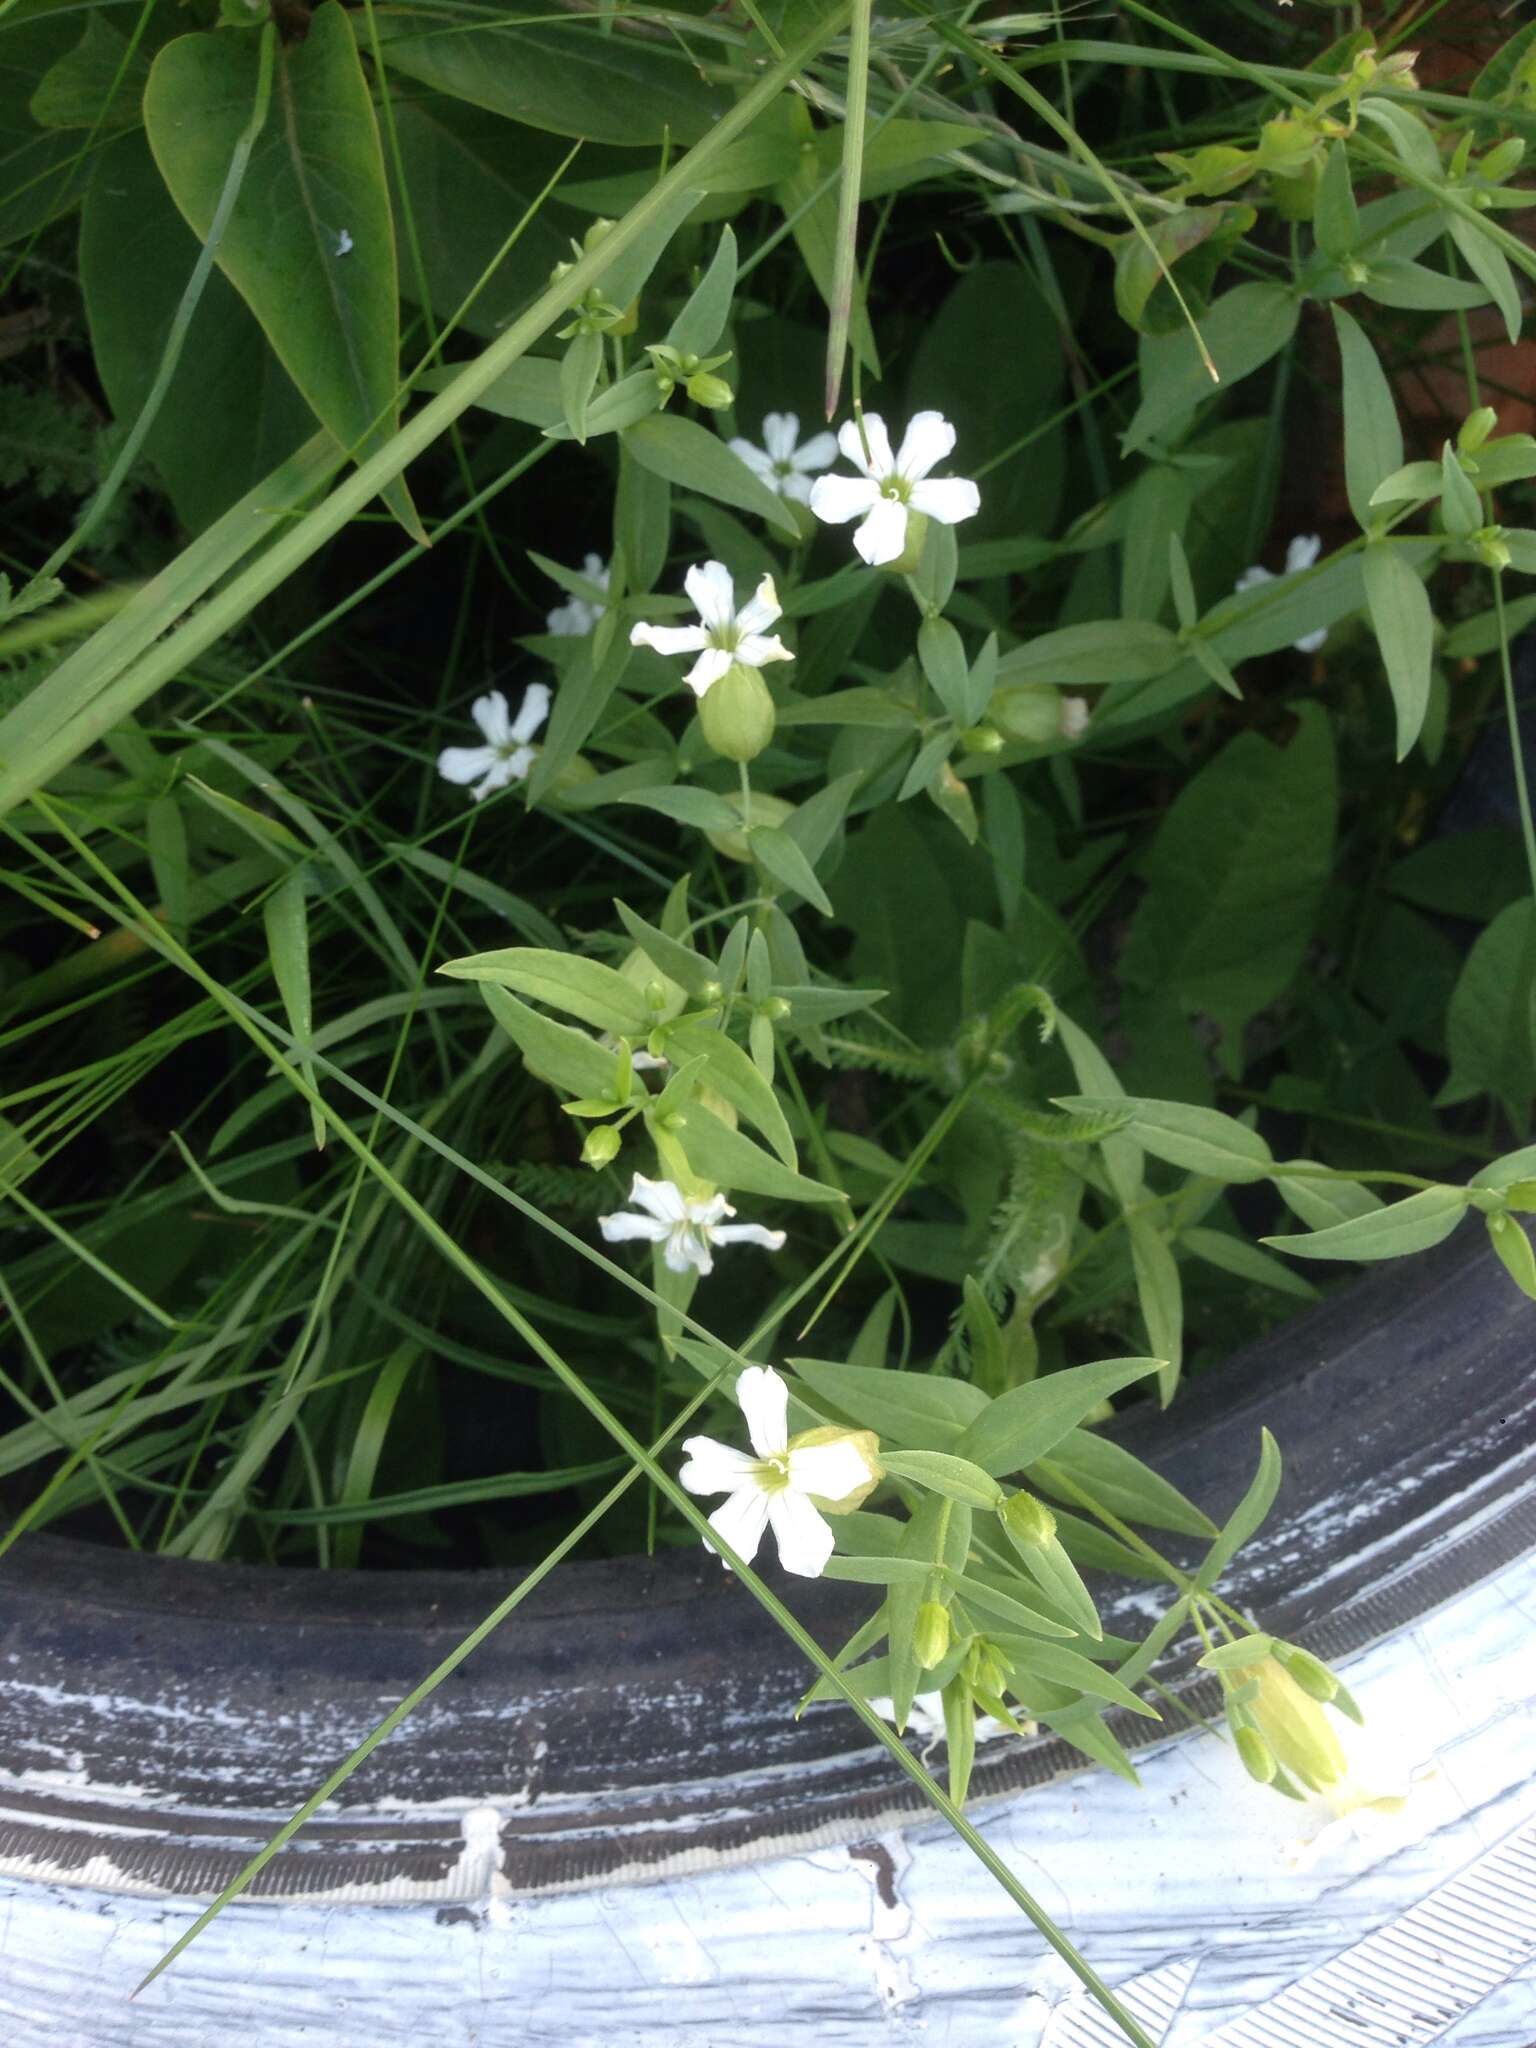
(931, 1637)
(737, 714)
(1309, 1672)
(1028, 1521)
(1258, 1761)
(710, 391)
(602, 1146)
(982, 739)
(1503, 162)
(1031, 712)
(774, 1008)
(1476, 428)
(1296, 1729)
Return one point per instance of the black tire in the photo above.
(638, 1714)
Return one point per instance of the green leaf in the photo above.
(685, 453)
(1490, 266)
(717, 1153)
(917, 1411)
(878, 1571)
(700, 807)
(583, 988)
(559, 1054)
(941, 652)
(165, 831)
(1513, 1246)
(1373, 439)
(97, 85)
(780, 854)
(731, 1073)
(1322, 1203)
(287, 921)
(1234, 1255)
(1027, 1422)
(945, 1473)
(1201, 1140)
(1415, 288)
(232, 413)
(1391, 1232)
(1058, 1578)
(1335, 217)
(1491, 1022)
(1124, 1160)
(1060, 1666)
(1247, 1516)
(1242, 331)
(310, 242)
(700, 324)
(980, 1591)
(41, 175)
(579, 367)
(577, 76)
(1403, 621)
(1235, 876)
(1161, 1298)
(1117, 1480)
(1101, 651)
(680, 963)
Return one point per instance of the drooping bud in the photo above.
(711, 391)
(737, 714)
(1309, 1672)
(1295, 1727)
(931, 1636)
(1028, 1521)
(1030, 712)
(602, 1146)
(1475, 429)
(1255, 1753)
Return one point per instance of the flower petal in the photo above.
(781, 430)
(669, 639)
(748, 1233)
(466, 764)
(1309, 643)
(758, 648)
(795, 488)
(709, 1213)
(820, 452)
(879, 462)
(531, 713)
(571, 620)
(805, 1540)
(712, 592)
(928, 440)
(625, 1224)
(758, 460)
(948, 499)
(830, 1470)
(760, 609)
(715, 1467)
(1252, 578)
(883, 536)
(764, 1401)
(663, 1199)
(491, 715)
(595, 569)
(741, 1521)
(837, 499)
(1302, 552)
(709, 668)
(518, 763)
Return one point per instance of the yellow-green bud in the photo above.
(931, 1637)
(603, 1145)
(1295, 1727)
(866, 1443)
(982, 739)
(660, 992)
(1309, 1672)
(1031, 712)
(710, 391)
(1492, 551)
(774, 1008)
(1504, 161)
(737, 714)
(1476, 428)
(1028, 1521)
(1258, 1760)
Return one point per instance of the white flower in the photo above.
(774, 1488)
(1074, 717)
(891, 486)
(782, 463)
(686, 1227)
(579, 615)
(726, 635)
(927, 1718)
(506, 756)
(1301, 554)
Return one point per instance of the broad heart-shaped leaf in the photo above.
(575, 76)
(1491, 1022)
(1201, 1140)
(1242, 331)
(598, 995)
(1403, 621)
(1391, 1232)
(1246, 1517)
(1373, 439)
(40, 169)
(232, 412)
(916, 1411)
(685, 453)
(1235, 874)
(310, 242)
(1028, 1422)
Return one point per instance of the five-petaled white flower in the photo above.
(506, 756)
(783, 463)
(892, 486)
(1301, 554)
(726, 635)
(579, 615)
(780, 1485)
(685, 1227)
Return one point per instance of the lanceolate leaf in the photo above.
(1247, 1516)
(1392, 1232)
(1028, 1422)
(1373, 440)
(915, 1410)
(1404, 624)
(685, 453)
(310, 244)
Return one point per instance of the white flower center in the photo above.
(895, 488)
(773, 1473)
(725, 637)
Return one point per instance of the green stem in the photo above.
(1516, 749)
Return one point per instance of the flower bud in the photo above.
(982, 739)
(710, 391)
(1295, 1727)
(1503, 162)
(1028, 1521)
(737, 714)
(1031, 712)
(1492, 551)
(931, 1637)
(602, 1146)
(1258, 1760)
(1476, 428)
(865, 1443)
(906, 563)
(1309, 1672)
(774, 1008)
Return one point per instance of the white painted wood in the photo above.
(1186, 1894)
